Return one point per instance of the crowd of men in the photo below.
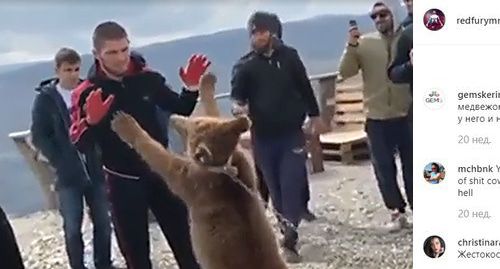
(71, 127)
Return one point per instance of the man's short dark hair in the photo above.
(105, 31)
(67, 55)
(265, 20)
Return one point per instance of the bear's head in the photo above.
(210, 141)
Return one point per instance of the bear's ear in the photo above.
(239, 125)
(180, 123)
(202, 154)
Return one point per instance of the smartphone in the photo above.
(353, 25)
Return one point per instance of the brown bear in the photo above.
(215, 179)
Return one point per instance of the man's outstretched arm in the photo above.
(168, 100)
(184, 103)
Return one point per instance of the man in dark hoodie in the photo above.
(401, 68)
(10, 256)
(121, 82)
(306, 215)
(409, 18)
(271, 84)
(79, 174)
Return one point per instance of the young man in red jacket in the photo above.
(119, 81)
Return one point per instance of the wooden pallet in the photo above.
(346, 158)
(348, 108)
(348, 127)
(346, 147)
(349, 97)
(349, 118)
(358, 87)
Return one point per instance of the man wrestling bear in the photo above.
(234, 218)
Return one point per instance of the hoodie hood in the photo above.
(51, 82)
(394, 7)
(397, 9)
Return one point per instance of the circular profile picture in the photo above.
(434, 246)
(434, 19)
(434, 173)
(434, 99)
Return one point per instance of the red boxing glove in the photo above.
(95, 108)
(196, 67)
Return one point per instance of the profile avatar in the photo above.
(434, 247)
(434, 173)
(434, 19)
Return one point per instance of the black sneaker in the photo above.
(308, 216)
(290, 246)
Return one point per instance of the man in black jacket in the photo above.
(401, 68)
(79, 174)
(10, 256)
(272, 81)
(120, 82)
(409, 18)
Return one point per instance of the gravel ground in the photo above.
(349, 232)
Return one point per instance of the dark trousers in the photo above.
(282, 160)
(385, 137)
(71, 208)
(10, 256)
(130, 201)
(264, 190)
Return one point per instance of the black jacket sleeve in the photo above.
(239, 83)
(42, 131)
(168, 100)
(305, 85)
(401, 70)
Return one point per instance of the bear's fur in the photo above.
(229, 229)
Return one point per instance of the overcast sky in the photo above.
(31, 31)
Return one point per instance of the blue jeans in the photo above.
(282, 160)
(71, 209)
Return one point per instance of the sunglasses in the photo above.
(380, 14)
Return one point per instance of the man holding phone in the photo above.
(388, 104)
